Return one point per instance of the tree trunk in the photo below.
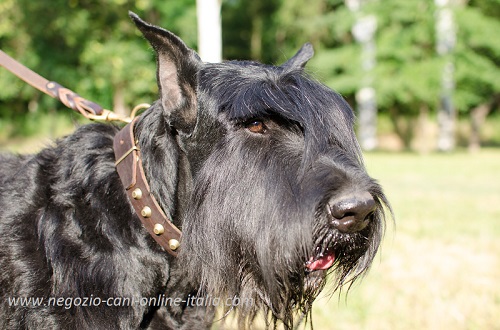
(256, 38)
(367, 109)
(209, 30)
(477, 118)
(404, 126)
(422, 141)
(119, 101)
(446, 138)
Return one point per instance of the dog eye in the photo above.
(256, 126)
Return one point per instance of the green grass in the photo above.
(439, 266)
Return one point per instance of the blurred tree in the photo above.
(408, 72)
(271, 30)
(248, 30)
(407, 75)
(477, 60)
(16, 42)
(89, 46)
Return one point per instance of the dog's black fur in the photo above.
(251, 161)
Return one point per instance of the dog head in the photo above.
(279, 197)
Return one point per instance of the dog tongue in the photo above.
(324, 262)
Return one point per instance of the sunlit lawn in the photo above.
(439, 267)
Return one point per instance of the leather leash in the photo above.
(69, 98)
(127, 154)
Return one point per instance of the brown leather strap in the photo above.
(24, 73)
(131, 172)
(73, 100)
(69, 98)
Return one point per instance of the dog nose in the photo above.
(351, 213)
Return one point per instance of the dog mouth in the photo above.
(325, 251)
(322, 261)
(335, 248)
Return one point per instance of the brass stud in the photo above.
(173, 244)
(146, 212)
(137, 193)
(158, 229)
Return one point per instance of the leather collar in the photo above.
(129, 168)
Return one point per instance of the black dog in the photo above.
(258, 166)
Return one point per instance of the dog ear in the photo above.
(177, 71)
(299, 60)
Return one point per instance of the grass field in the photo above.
(439, 266)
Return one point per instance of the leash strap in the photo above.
(69, 98)
(127, 154)
(131, 172)
(32, 78)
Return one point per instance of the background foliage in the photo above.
(91, 46)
